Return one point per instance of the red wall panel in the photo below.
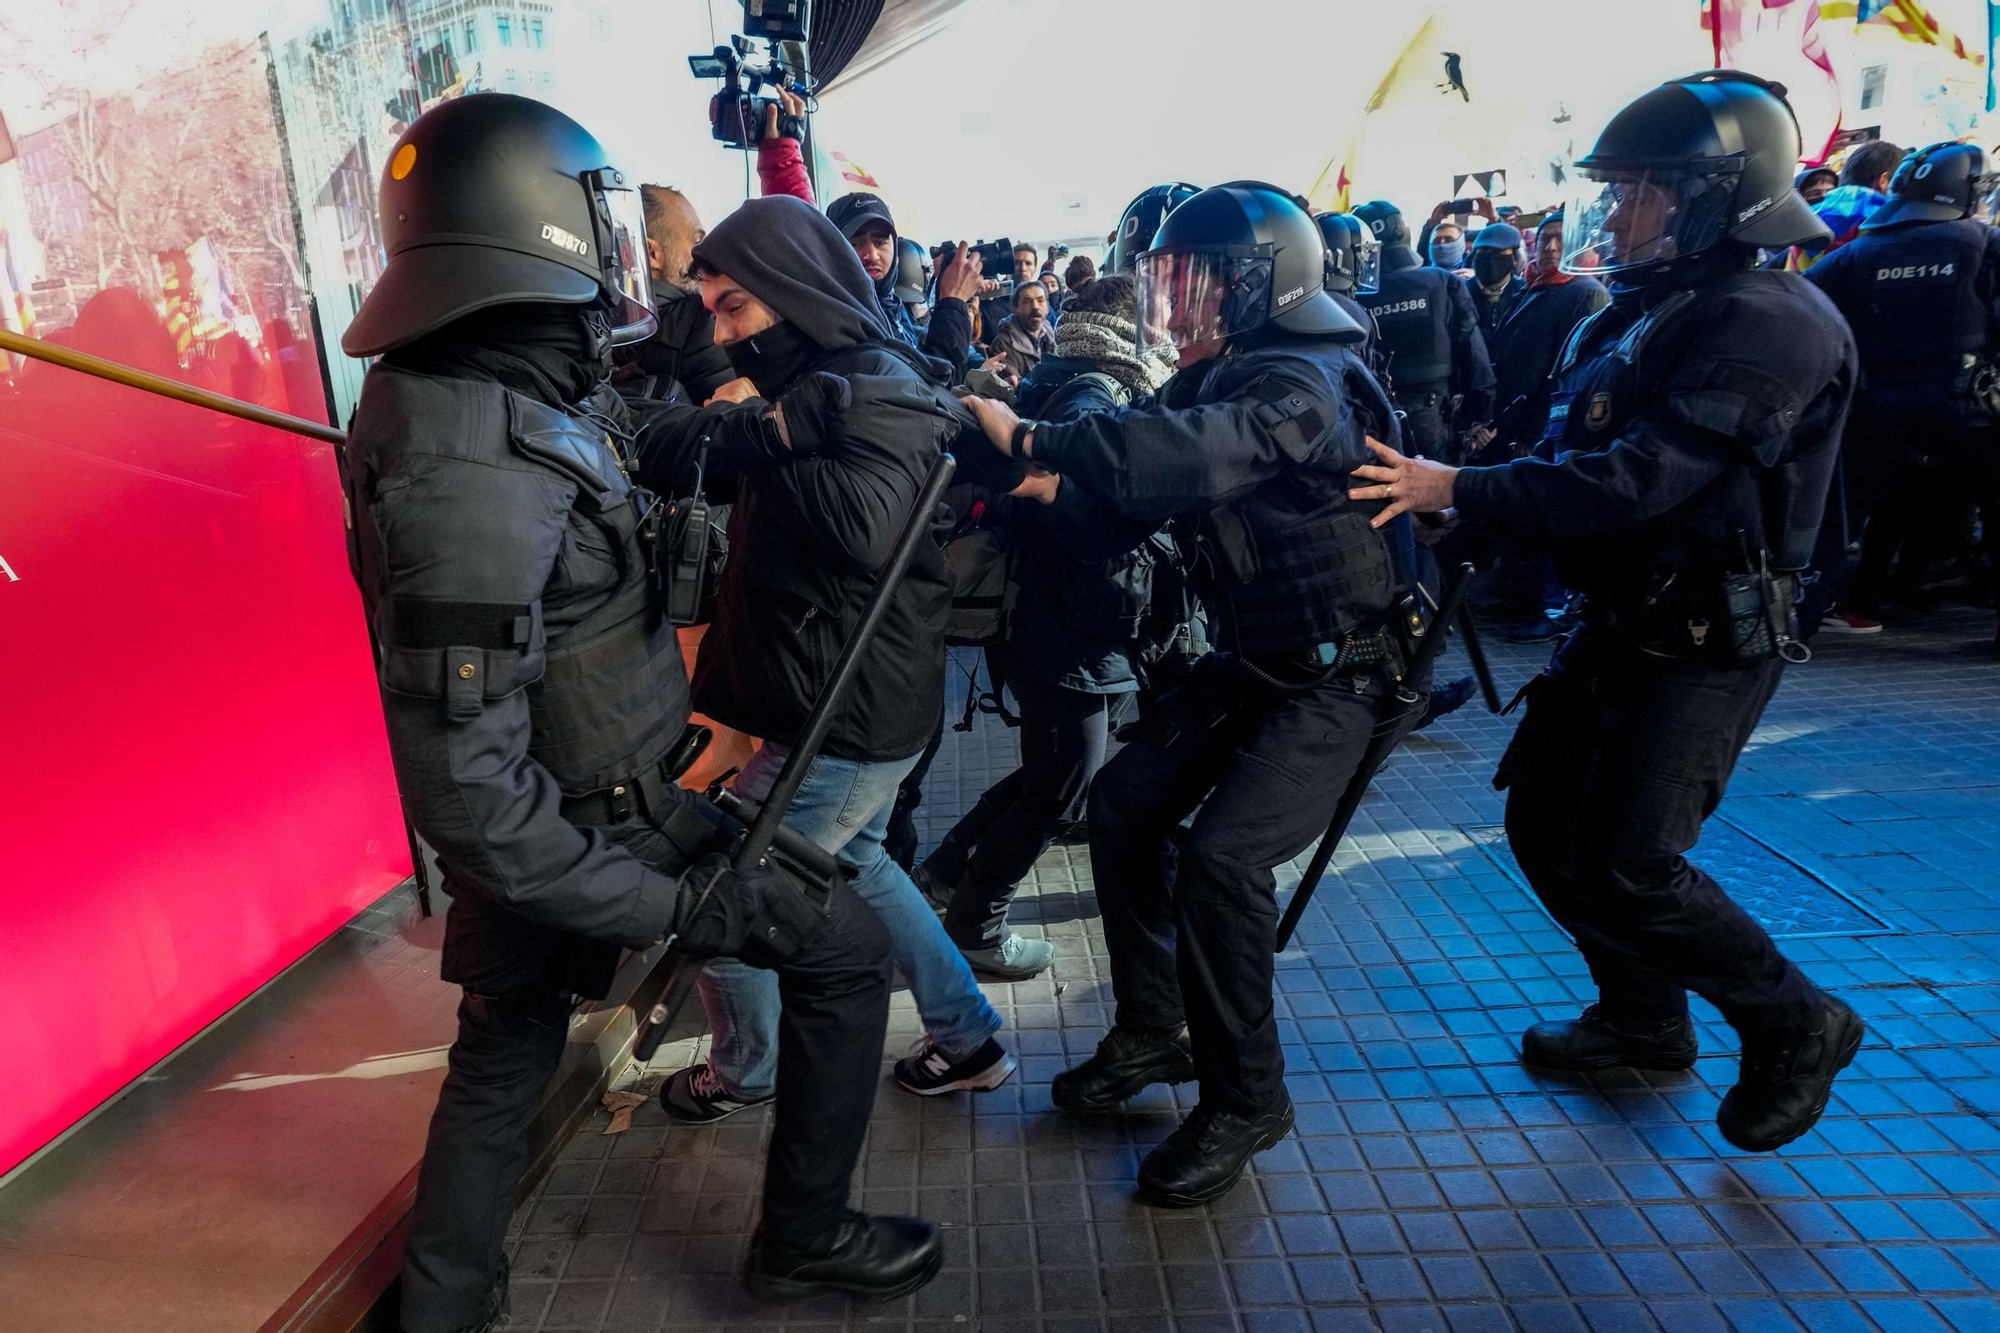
(194, 782)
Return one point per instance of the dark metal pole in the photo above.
(770, 815)
(1387, 732)
(1474, 651)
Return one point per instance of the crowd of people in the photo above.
(1205, 494)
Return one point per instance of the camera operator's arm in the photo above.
(949, 336)
(781, 168)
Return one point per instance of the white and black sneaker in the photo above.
(927, 1070)
(696, 1096)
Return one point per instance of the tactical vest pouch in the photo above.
(463, 653)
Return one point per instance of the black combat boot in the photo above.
(874, 1258)
(1125, 1062)
(1784, 1082)
(1593, 1041)
(1205, 1157)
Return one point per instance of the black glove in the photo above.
(815, 411)
(723, 911)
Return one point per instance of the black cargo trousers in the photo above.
(1190, 928)
(1621, 757)
(835, 992)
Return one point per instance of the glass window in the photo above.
(534, 32)
(1874, 86)
(471, 35)
(506, 27)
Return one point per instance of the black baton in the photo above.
(763, 831)
(1384, 738)
(1474, 652)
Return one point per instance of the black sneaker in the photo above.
(1126, 1062)
(1592, 1041)
(927, 1070)
(1782, 1086)
(874, 1258)
(696, 1096)
(1205, 1157)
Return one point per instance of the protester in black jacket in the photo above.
(1530, 337)
(806, 538)
(1071, 656)
(865, 221)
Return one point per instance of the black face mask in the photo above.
(1492, 268)
(771, 360)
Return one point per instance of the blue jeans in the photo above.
(844, 806)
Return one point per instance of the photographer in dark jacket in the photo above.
(1085, 581)
(534, 697)
(864, 220)
(1257, 434)
(806, 537)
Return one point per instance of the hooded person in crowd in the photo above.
(865, 221)
(806, 538)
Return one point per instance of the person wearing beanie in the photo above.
(1074, 653)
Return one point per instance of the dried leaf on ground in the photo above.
(622, 1104)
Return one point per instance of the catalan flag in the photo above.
(1913, 20)
(1781, 39)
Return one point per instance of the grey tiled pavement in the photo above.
(1434, 1184)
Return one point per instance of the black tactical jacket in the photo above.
(1690, 430)
(1260, 442)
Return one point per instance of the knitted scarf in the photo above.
(1110, 345)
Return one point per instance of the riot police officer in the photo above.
(1430, 334)
(1256, 435)
(1141, 219)
(1920, 288)
(535, 695)
(1680, 482)
(1353, 268)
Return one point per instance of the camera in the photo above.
(996, 259)
(736, 114)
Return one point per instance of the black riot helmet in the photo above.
(1384, 222)
(913, 276)
(1692, 165)
(493, 198)
(1353, 256)
(1141, 221)
(1231, 260)
(1934, 184)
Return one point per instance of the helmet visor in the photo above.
(1187, 297)
(1619, 219)
(624, 260)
